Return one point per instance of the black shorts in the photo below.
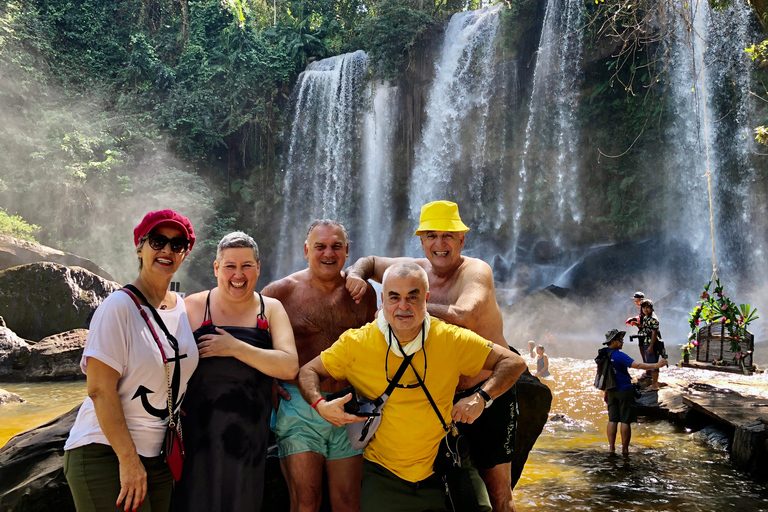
(492, 436)
(622, 407)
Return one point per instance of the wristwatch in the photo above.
(485, 396)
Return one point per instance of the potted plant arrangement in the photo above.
(718, 307)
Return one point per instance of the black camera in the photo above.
(353, 406)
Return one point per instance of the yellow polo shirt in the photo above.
(410, 432)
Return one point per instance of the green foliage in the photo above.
(390, 34)
(15, 226)
(624, 129)
(758, 51)
(516, 21)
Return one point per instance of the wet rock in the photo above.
(7, 397)
(748, 451)
(32, 468)
(41, 299)
(57, 356)
(626, 263)
(715, 437)
(15, 252)
(14, 355)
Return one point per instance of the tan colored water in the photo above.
(568, 468)
(44, 401)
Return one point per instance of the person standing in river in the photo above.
(244, 340)
(320, 310)
(462, 293)
(622, 408)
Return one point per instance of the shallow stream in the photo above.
(569, 467)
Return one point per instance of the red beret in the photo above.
(154, 219)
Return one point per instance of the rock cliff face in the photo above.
(42, 299)
(15, 252)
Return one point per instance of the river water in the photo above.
(569, 467)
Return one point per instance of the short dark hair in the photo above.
(647, 303)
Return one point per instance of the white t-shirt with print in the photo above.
(119, 337)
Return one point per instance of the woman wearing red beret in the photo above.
(112, 457)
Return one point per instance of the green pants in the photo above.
(383, 491)
(93, 475)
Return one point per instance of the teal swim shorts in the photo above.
(298, 428)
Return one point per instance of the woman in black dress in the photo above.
(244, 340)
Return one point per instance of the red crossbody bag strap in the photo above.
(146, 319)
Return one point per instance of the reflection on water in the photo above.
(44, 401)
(569, 467)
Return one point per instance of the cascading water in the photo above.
(378, 134)
(709, 79)
(460, 146)
(523, 171)
(339, 125)
(321, 159)
(551, 134)
(740, 208)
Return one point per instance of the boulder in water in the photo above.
(32, 468)
(14, 355)
(41, 299)
(15, 252)
(8, 397)
(57, 356)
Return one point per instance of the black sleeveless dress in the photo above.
(228, 406)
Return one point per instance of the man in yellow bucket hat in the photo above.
(462, 293)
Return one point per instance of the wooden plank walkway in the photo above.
(729, 408)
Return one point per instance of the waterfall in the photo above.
(338, 161)
(378, 144)
(550, 151)
(712, 63)
(459, 148)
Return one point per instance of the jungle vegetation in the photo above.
(109, 108)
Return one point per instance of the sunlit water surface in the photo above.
(668, 469)
(569, 467)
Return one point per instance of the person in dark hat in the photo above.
(622, 408)
(637, 321)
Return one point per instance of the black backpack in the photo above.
(606, 373)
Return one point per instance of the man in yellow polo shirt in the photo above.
(397, 470)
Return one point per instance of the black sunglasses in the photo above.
(158, 242)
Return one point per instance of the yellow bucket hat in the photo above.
(440, 216)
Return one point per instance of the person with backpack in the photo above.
(619, 394)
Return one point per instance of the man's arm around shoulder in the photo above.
(506, 367)
(367, 267)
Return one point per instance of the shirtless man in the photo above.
(462, 293)
(320, 310)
